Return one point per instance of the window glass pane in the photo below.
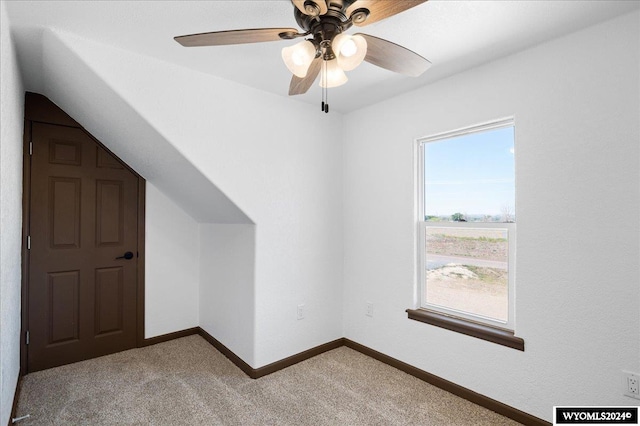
(470, 177)
(467, 270)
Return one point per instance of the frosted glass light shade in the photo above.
(350, 50)
(332, 75)
(298, 57)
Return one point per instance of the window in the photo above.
(467, 228)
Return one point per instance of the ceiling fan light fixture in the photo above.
(328, 52)
(332, 75)
(350, 50)
(298, 57)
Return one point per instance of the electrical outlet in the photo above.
(369, 309)
(301, 311)
(631, 384)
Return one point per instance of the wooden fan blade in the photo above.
(298, 85)
(381, 9)
(322, 5)
(394, 57)
(220, 38)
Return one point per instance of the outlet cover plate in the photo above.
(631, 384)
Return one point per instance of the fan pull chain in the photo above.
(324, 106)
(323, 75)
(326, 100)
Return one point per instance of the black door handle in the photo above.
(128, 255)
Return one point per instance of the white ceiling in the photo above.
(453, 35)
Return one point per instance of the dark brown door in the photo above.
(84, 218)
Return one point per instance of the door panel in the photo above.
(110, 213)
(64, 306)
(84, 214)
(65, 152)
(64, 212)
(109, 300)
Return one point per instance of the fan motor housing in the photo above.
(324, 27)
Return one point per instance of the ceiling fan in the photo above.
(326, 49)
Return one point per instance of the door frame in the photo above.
(39, 109)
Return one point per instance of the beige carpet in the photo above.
(186, 381)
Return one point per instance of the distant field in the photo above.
(486, 244)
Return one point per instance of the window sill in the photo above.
(480, 331)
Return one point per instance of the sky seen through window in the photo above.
(471, 174)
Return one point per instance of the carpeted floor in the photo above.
(187, 382)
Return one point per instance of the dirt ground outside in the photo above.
(481, 291)
(465, 287)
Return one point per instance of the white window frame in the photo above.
(422, 225)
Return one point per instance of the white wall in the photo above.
(576, 107)
(227, 286)
(11, 130)
(172, 259)
(278, 161)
